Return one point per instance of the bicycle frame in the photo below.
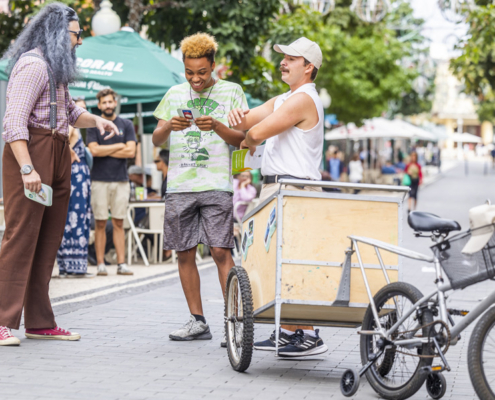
(439, 292)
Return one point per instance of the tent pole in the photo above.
(3, 107)
(141, 135)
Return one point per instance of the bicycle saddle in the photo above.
(426, 222)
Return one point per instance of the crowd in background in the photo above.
(104, 179)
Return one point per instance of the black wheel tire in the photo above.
(475, 357)
(242, 362)
(349, 383)
(389, 356)
(436, 385)
(414, 384)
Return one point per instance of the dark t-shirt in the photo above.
(111, 169)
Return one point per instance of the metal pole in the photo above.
(3, 107)
(141, 135)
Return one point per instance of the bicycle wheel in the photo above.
(397, 374)
(239, 321)
(481, 356)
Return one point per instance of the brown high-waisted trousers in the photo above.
(33, 231)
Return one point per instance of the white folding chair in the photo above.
(156, 212)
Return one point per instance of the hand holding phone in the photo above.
(179, 123)
(189, 113)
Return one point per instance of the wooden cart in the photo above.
(298, 266)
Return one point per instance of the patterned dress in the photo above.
(72, 257)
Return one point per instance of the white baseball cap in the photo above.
(302, 47)
(481, 219)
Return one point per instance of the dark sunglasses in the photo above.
(78, 34)
(157, 161)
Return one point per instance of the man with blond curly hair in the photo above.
(199, 187)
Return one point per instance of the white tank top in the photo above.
(295, 151)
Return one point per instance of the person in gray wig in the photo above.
(36, 127)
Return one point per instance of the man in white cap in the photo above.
(481, 220)
(292, 125)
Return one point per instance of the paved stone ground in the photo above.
(125, 352)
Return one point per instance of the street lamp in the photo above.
(325, 98)
(420, 85)
(370, 10)
(452, 9)
(105, 21)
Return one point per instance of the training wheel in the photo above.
(349, 383)
(436, 385)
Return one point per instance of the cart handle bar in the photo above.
(401, 251)
(361, 186)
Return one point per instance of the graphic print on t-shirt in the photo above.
(194, 141)
(194, 151)
(207, 107)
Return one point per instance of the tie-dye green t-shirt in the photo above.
(200, 161)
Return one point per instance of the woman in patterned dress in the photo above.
(72, 257)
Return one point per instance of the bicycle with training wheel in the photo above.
(406, 335)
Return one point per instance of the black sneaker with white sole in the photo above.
(304, 345)
(269, 344)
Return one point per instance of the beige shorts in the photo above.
(272, 188)
(113, 196)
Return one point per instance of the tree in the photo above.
(476, 65)
(362, 62)
(362, 68)
(11, 24)
(238, 26)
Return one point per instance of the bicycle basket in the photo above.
(465, 269)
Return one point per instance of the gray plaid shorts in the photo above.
(198, 217)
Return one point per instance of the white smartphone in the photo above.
(44, 196)
(189, 113)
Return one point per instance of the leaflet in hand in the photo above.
(44, 196)
(242, 160)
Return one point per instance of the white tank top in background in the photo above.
(295, 151)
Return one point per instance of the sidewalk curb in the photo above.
(117, 288)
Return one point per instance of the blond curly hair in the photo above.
(199, 45)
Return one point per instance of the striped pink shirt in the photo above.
(28, 101)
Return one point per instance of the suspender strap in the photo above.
(53, 93)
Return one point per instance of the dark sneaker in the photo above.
(304, 345)
(192, 330)
(269, 345)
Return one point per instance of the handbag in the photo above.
(89, 157)
(406, 180)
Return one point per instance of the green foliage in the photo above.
(11, 25)
(476, 65)
(361, 70)
(361, 62)
(237, 25)
(22, 10)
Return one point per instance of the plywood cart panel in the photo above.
(301, 264)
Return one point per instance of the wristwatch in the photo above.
(26, 169)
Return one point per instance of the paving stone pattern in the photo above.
(125, 352)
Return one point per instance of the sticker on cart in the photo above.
(270, 228)
(244, 245)
(251, 227)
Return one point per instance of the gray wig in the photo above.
(49, 31)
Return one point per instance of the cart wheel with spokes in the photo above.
(436, 385)
(349, 383)
(239, 320)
